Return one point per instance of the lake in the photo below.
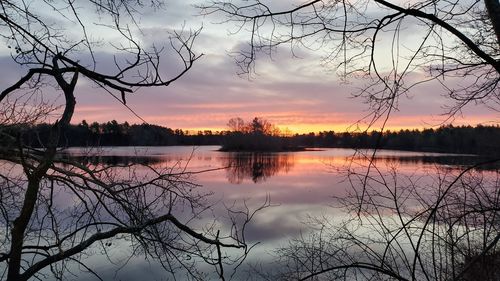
(301, 186)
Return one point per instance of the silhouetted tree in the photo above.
(460, 40)
(442, 226)
(236, 124)
(398, 231)
(54, 209)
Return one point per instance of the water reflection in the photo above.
(256, 166)
(114, 160)
(300, 185)
(238, 165)
(455, 161)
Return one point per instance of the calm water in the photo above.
(301, 186)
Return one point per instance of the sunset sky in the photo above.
(296, 93)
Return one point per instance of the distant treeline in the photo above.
(484, 140)
(113, 133)
(260, 135)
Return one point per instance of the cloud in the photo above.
(292, 90)
(211, 93)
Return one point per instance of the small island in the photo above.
(257, 136)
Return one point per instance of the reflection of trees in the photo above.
(114, 160)
(456, 161)
(257, 166)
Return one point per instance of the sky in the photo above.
(297, 92)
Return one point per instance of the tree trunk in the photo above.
(493, 7)
(36, 175)
(19, 228)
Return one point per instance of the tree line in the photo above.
(448, 139)
(261, 135)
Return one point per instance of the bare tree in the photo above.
(442, 226)
(385, 42)
(56, 210)
(399, 230)
(236, 124)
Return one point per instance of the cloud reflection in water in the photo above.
(300, 184)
